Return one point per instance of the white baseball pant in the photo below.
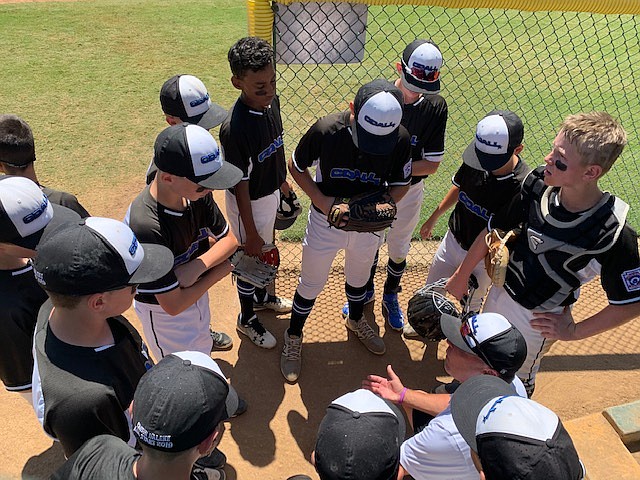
(399, 235)
(264, 216)
(499, 301)
(319, 248)
(166, 334)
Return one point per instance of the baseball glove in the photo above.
(425, 309)
(497, 257)
(367, 212)
(254, 270)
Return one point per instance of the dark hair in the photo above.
(60, 300)
(249, 53)
(17, 147)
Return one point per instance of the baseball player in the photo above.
(356, 151)
(177, 210)
(88, 358)
(185, 99)
(251, 137)
(484, 344)
(425, 117)
(484, 183)
(26, 215)
(571, 231)
(176, 422)
(18, 156)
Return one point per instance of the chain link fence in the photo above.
(542, 65)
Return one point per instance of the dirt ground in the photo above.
(274, 439)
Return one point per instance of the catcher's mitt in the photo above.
(425, 308)
(367, 212)
(497, 257)
(258, 271)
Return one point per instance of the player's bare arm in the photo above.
(563, 327)
(179, 299)
(458, 284)
(398, 191)
(448, 201)
(308, 186)
(254, 242)
(220, 251)
(419, 168)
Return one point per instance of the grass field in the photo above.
(86, 76)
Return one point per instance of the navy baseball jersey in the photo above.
(253, 141)
(482, 195)
(558, 250)
(86, 391)
(426, 121)
(21, 298)
(342, 169)
(186, 233)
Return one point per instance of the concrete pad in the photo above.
(625, 419)
(601, 450)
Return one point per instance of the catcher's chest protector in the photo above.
(550, 252)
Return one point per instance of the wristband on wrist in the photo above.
(402, 394)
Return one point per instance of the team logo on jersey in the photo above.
(210, 157)
(133, 247)
(271, 149)
(199, 101)
(477, 210)
(488, 143)
(631, 279)
(352, 175)
(414, 140)
(193, 248)
(406, 170)
(30, 217)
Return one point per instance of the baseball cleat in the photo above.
(256, 332)
(392, 312)
(221, 341)
(291, 358)
(368, 298)
(366, 335)
(276, 304)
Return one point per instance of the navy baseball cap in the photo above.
(497, 136)
(26, 214)
(186, 97)
(359, 438)
(378, 113)
(515, 437)
(97, 255)
(180, 402)
(489, 336)
(189, 151)
(421, 64)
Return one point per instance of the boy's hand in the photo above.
(253, 245)
(427, 229)
(457, 286)
(189, 273)
(560, 326)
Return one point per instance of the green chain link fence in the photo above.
(542, 65)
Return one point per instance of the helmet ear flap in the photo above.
(425, 309)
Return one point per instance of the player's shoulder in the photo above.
(436, 102)
(332, 123)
